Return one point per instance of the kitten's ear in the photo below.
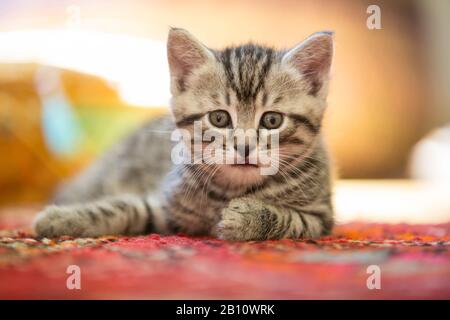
(312, 58)
(185, 53)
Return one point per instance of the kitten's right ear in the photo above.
(185, 54)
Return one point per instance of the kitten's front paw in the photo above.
(241, 220)
(55, 221)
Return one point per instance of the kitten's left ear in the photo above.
(312, 58)
(185, 54)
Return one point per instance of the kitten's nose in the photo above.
(244, 150)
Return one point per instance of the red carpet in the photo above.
(414, 262)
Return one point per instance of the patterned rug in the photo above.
(413, 260)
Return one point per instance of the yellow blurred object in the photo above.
(29, 171)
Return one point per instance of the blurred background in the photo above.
(76, 75)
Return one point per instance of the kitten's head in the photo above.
(279, 93)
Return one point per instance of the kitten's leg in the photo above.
(127, 215)
(251, 219)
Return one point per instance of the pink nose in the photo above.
(244, 150)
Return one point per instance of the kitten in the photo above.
(134, 188)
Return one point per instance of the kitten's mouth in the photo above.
(242, 174)
(244, 165)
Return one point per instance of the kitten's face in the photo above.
(257, 90)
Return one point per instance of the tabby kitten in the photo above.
(135, 189)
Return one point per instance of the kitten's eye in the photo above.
(219, 118)
(271, 120)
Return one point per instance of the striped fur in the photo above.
(134, 189)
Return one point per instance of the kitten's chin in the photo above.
(241, 175)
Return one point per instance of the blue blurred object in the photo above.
(61, 129)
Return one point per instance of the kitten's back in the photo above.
(136, 164)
